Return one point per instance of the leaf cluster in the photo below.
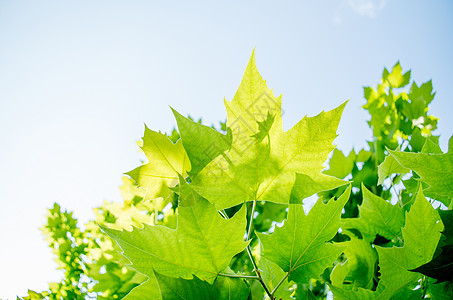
(220, 214)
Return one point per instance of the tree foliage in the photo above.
(219, 214)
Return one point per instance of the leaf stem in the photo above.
(249, 229)
(239, 276)
(279, 284)
(249, 252)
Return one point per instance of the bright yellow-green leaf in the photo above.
(202, 244)
(165, 161)
(265, 169)
(341, 166)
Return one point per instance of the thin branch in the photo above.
(249, 229)
(249, 252)
(239, 276)
(279, 284)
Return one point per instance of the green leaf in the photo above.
(397, 79)
(421, 235)
(441, 267)
(390, 166)
(202, 245)
(264, 127)
(147, 290)
(165, 161)
(272, 274)
(266, 170)
(201, 142)
(300, 247)
(441, 291)
(434, 169)
(360, 267)
(360, 293)
(195, 289)
(376, 216)
(341, 166)
(431, 146)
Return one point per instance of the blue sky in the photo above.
(79, 79)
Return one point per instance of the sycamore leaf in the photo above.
(441, 267)
(441, 291)
(434, 169)
(266, 170)
(264, 127)
(424, 93)
(360, 293)
(376, 216)
(165, 161)
(390, 166)
(300, 247)
(421, 235)
(396, 78)
(359, 268)
(201, 142)
(341, 166)
(431, 146)
(202, 244)
(195, 289)
(272, 274)
(147, 290)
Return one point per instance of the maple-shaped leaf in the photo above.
(300, 247)
(165, 161)
(441, 267)
(202, 244)
(359, 294)
(147, 290)
(376, 216)
(264, 127)
(390, 166)
(396, 78)
(265, 169)
(272, 274)
(195, 289)
(340, 165)
(421, 234)
(431, 146)
(201, 142)
(434, 169)
(359, 268)
(420, 97)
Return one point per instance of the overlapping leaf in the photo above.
(202, 245)
(421, 234)
(434, 169)
(359, 268)
(201, 142)
(390, 166)
(180, 289)
(300, 247)
(376, 216)
(340, 165)
(165, 161)
(441, 267)
(258, 168)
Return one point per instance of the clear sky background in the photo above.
(78, 79)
